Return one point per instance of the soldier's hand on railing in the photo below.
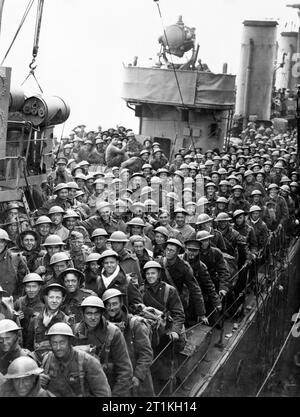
(203, 320)
(222, 293)
(135, 382)
(173, 336)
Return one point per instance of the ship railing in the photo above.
(274, 252)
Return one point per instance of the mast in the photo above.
(1, 10)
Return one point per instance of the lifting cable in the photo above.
(27, 10)
(36, 40)
(175, 73)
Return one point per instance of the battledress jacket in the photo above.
(123, 284)
(137, 337)
(112, 352)
(13, 269)
(80, 376)
(7, 357)
(217, 267)
(180, 274)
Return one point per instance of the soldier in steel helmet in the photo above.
(137, 336)
(23, 380)
(13, 267)
(108, 344)
(71, 372)
(37, 340)
(73, 281)
(31, 303)
(10, 348)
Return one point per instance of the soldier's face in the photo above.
(110, 264)
(136, 230)
(56, 218)
(100, 241)
(159, 238)
(94, 267)
(255, 215)
(105, 214)
(23, 386)
(44, 229)
(192, 253)
(117, 246)
(53, 249)
(70, 223)
(61, 346)
(92, 316)
(113, 306)
(71, 283)
(60, 267)
(29, 242)
(152, 275)
(138, 248)
(180, 219)
(63, 194)
(7, 340)
(164, 219)
(32, 289)
(54, 300)
(204, 244)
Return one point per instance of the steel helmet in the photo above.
(202, 201)
(222, 200)
(150, 202)
(192, 244)
(74, 271)
(7, 325)
(92, 257)
(237, 187)
(59, 257)
(56, 209)
(203, 218)
(92, 301)
(61, 186)
(256, 192)
(60, 329)
(254, 208)
(22, 367)
(222, 217)
(285, 188)
(272, 186)
(237, 213)
(248, 172)
(102, 204)
(71, 213)
(285, 179)
(146, 166)
(152, 264)
(136, 221)
(43, 220)
(294, 184)
(53, 240)
(146, 190)
(181, 210)
(108, 253)
(112, 292)
(162, 230)
(73, 185)
(118, 237)
(4, 235)
(32, 277)
(176, 242)
(99, 232)
(203, 235)
(53, 287)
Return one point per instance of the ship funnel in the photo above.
(285, 77)
(255, 77)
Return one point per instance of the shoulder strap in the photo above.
(166, 294)
(81, 357)
(111, 330)
(47, 363)
(168, 275)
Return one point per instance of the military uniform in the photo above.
(130, 264)
(7, 357)
(123, 284)
(79, 257)
(36, 335)
(80, 376)
(112, 351)
(30, 307)
(217, 267)
(13, 269)
(7, 390)
(96, 222)
(137, 338)
(186, 232)
(71, 305)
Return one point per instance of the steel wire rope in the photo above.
(27, 10)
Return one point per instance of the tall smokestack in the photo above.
(287, 46)
(255, 78)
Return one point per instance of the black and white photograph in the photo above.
(149, 202)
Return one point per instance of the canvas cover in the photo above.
(198, 89)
